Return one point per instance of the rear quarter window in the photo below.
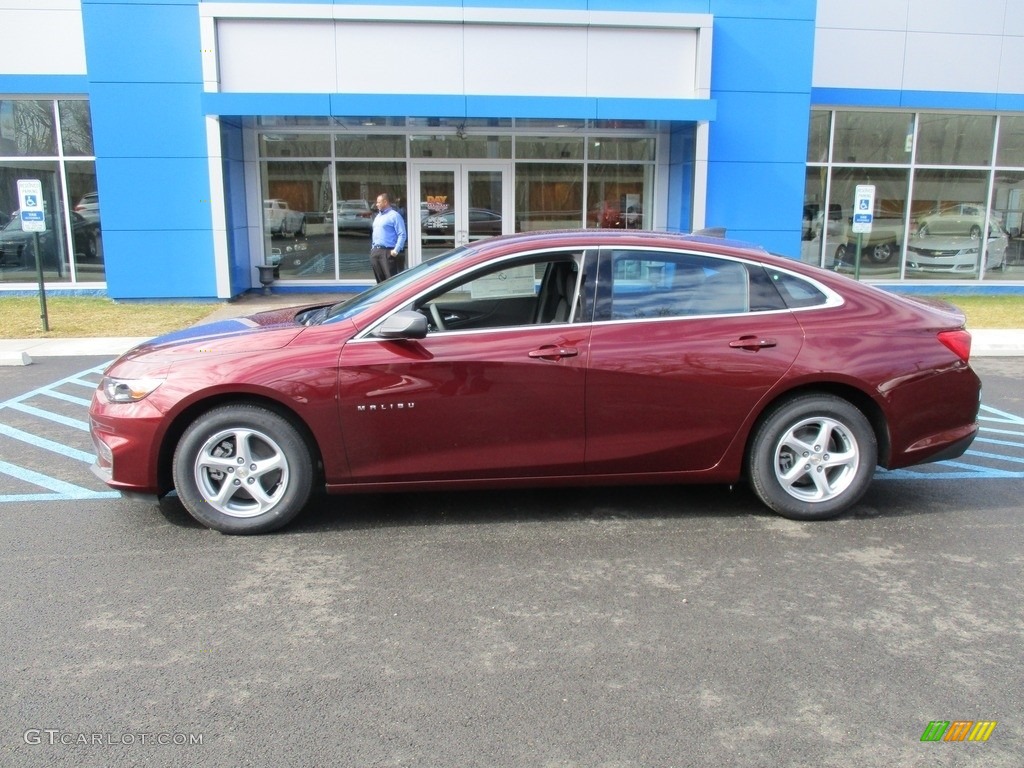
(795, 291)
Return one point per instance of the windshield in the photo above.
(353, 306)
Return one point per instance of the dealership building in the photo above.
(181, 145)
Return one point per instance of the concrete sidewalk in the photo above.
(21, 351)
(986, 342)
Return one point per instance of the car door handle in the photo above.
(554, 353)
(752, 343)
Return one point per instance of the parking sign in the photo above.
(33, 217)
(863, 208)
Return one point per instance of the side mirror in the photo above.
(403, 325)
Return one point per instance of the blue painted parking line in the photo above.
(52, 488)
(60, 489)
(67, 398)
(977, 464)
(67, 422)
(45, 444)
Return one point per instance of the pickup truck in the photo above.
(280, 219)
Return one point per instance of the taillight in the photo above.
(958, 342)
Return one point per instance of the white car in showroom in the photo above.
(957, 253)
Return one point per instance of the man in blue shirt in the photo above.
(388, 239)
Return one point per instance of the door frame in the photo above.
(460, 170)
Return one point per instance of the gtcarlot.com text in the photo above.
(59, 737)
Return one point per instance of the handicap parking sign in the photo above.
(863, 208)
(33, 216)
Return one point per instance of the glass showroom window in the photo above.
(50, 141)
(319, 187)
(943, 165)
(549, 196)
(359, 183)
(297, 237)
(615, 195)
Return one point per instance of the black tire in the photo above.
(881, 253)
(975, 232)
(274, 473)
(835, 471)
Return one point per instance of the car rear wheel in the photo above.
(243, 469)
(812, 457)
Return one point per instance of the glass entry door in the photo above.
(458, 203)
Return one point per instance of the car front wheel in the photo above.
(881, 253)
(243, 469)
(812, 457)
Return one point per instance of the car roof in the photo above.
(636, 237)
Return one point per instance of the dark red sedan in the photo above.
(585, 357)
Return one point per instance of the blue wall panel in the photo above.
(159, 194)
(171, 265)
(761, 82)
(142, 42)
(767, 127)
(232, 151)
(773, 55)
(152, 119)
(682, 144)
(36, 84)
(151, 150)
(760, 9)
(755, 201)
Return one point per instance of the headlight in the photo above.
(128, 390)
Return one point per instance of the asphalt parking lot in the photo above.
(589, 627)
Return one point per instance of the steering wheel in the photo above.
(435, 315)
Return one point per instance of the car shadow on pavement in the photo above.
(344, 512)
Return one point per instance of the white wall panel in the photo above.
(512, 52)
(1011, 69)
(863, 14)
(654, 64)
(854, 58)
(948, 62)
(42, 37)
(382, 57)
(266, 56)
(970, 46)
(971, 17)
(1015, 22)
(531, 61)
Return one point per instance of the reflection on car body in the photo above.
(960, 220)
(557, 358)
(88, 207)
(482, 222)
(354, 215)
(280, 219)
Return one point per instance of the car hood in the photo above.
(260, 332)
(938, 243)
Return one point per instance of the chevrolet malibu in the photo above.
(558, 358)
